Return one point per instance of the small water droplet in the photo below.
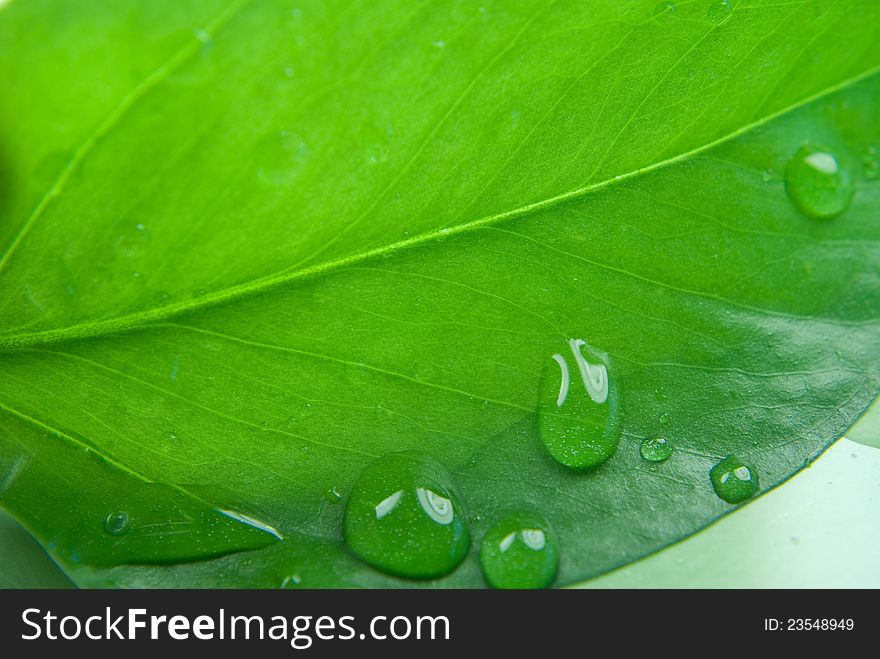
(719, 11)
(666, 9)
(733, 480)
(817, 183)
(404, 517)
(117, 523)
(332, 495)
(871, 163)
(579, 406)
(664, 418)
(519, 551)
(264, 425)
(203, 36)
(172, 437)
(291, 581)
(661, 393)
(767, 175)
(656, 449)
(440, 44)
(288, 71)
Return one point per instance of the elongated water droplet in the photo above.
(579, 406)
(117, 523)
(404, 517)
(719, 11)
(332, 495)
(656, 449)
(817, 183)
(871, 162)
(519, 551)
(733, 480)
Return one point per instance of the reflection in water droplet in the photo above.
(404, 516)
(817, 183)
(719, 11)
(292, 581)
(656, 449)
(519, 551)
(733, 480)
(117, 523)
(579, 406)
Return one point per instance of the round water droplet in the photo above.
(117, 523)
(656, 449)
(719, 11)
(404, 517)
(661, 393)
(332, 495)
(579, 406)
(519, 551)
(817, 183)
(663, 418)
(733, 481)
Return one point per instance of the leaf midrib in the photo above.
(122, 323)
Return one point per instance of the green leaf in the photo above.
(25, 564)
(248, 249)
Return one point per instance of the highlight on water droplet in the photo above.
(663, 418)
(117, 523)
(291, 581)
(332, 495)
(656, 449)
(405, 517)
(579, 416)
(519, 551)
(733, 480)
(816, 182)
(719, 11)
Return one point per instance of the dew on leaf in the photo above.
(404, 517)
(332, 495)
(817, 184)
(579, 407)
(290, 581)
(871, 163)
(719, 11)
(117, 523)
(656, 449)
(519, 551)
(664, 418)
(733, 480)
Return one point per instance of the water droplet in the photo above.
(719, 11)
(661, 393)
(817, 184)
(440, 44)
(404, 517)
(171, 437)
(519, 551)
(291, 581)
(767, 175)
(332, 495)
(117, 523)
(656, 449)
(666, 9)
(579, 406)
(733, 480)
(264, 425)
(664, 418)
(871, 163)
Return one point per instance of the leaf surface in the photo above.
(276, 243)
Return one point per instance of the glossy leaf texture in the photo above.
(249, 248)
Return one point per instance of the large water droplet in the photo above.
(519, 551)
(117, 523)
(817, 183)
(656, 449)
(579, 406)
(404, 517)
(733, 480)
